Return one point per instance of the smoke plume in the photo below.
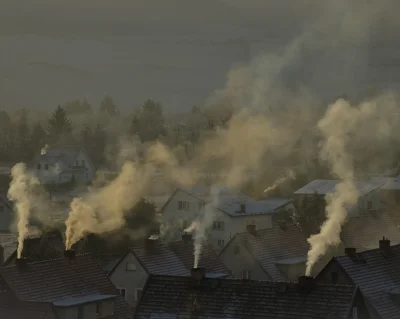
(21, 193)
(290, 175)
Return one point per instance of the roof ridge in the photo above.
(45, 261)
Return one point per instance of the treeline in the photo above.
(24, 133)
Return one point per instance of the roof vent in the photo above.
(198, 274)
(306, 282)
(21, 263)
(186, 237)
(251, 229)
(69, 254)
(350, 251)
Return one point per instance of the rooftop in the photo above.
(78, 300)
(327, 186)
(173, 297)
(377, 275)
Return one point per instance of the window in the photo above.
(369, 205)
(183, 205)
(335, 277)
(122, 292)
(138, 294)
(130, 267)
(46, 167)
(246, 274)
(39, 166)
(218, 225)
(98, 309)
(355, 314)
(236, 249)
(80, 312)
(221, 242)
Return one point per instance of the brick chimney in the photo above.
(384, 246)
(21, 263)
(198, 274)
(252, 229)
(350, 251)
(69, 254)
(186, 237)
(306, 282)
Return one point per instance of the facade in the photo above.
(6, 214)
(197, 296)
(376, 274)
(60, 165)
(226, 212)
(130, 274)
(278, 253)
(70, 287)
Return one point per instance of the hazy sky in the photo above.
(177, 51)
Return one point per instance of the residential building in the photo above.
(227, 212)
(69, 287)
(197, 296)
(278, 253)
(7, 216)
(369, 194)
(156, 258)
(62, 164)
(375, 272)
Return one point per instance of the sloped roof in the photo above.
(24, 310)
(272, 245)
(50, 280)
(389, 183)
(376, 277)
(173, 297)
(160, 261)
(327, 186)
(208, 257)
(366, 229)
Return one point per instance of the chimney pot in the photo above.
(186, 237)
(350, 251)
(306, 282)
(21, 263)
(69, 254)
(251, 229)
(198, 274)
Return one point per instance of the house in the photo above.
(69, 287)
(197, 296)
(227, 212)
(62, 164)
(7, 216)
(369, 194)
(278, 253)
(376, 272)
(157, 258)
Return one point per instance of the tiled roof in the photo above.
(50, 280)
(273, 245)
(161, 260)
(389, 183)
(327, 186)
(377, 276)
(9, 242)
(366, 229)
(208, 257)
(173, 297)
(26, 310)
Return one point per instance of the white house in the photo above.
(60, 164)
(226, 213)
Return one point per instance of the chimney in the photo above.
(198, 274)
(150, 244)
(21, 263)
(350, 251)
(384, 246)
(251, 229)
(242, 208)
(69, 254)
(186, 237)
(306, 282)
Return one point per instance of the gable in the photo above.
(127, 264)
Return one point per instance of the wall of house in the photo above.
(89, 310)
(128, 279)
(83, 160)
(6, 217)
(373, 198)
(51, 174)
(237, 261)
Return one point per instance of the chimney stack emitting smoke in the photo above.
(306, 282)
(150, 244)
(384, 246)
(350, 251)
(198, 274)
(69, 254)
(21, 263)
(252, 229)
(187, 238)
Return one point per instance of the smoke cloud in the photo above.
(290, 175)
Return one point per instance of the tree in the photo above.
(98, 144)
(22, 137)
(59, 124)
(76, 107)
(135, 126)
(143, 217)
(151, 121)
(7, 136)
(108, 107)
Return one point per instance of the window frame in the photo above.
(98, 309)
(218, 225)
(39, 166)
(120, 289)
(138, 295)
(183, 205)
(221, 243)
(248, 274)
